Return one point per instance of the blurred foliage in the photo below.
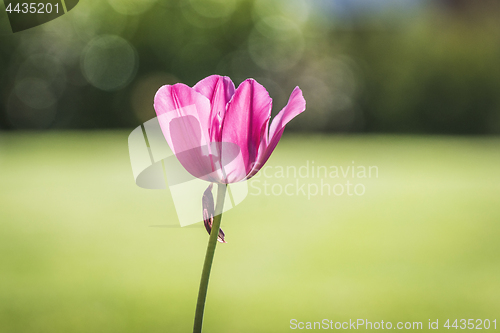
(426, 69)
(441, 75)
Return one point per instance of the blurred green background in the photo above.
(81, 250)
(416, 85)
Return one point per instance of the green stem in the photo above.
(209, 257)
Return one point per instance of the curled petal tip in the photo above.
(221, 236)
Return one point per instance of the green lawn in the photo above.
(79, 253)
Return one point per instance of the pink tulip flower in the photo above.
(221, 134)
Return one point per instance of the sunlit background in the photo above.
(409, 86)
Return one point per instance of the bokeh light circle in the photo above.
(276, 44)
(214, 8)
(296, 10)
(131, 7)
(109, 62)
(202, 15)
(45, 68)
(36, 93)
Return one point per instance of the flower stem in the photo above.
(209, 257)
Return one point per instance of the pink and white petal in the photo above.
(219, 90)
(247, 112)
(184, 116)
(295, 106)
(226, 166)
(232, 164)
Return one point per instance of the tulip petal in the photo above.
(247, 112)
(295, 106)
(219, 90)
(184, 117)
(208, 213)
